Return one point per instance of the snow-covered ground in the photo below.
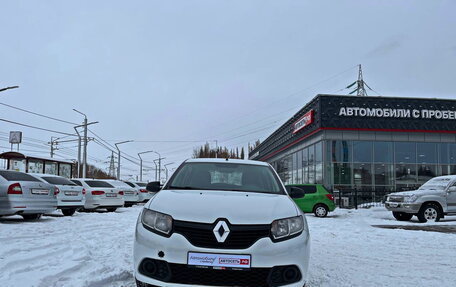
(95, 250)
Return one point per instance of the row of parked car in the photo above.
(32, 195)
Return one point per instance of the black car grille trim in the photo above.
(240, 236)
(254, 277)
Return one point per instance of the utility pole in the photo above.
(118, 157)
(52, 143)
(84, 158)
(216, 149)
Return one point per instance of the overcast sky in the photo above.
(231, 71)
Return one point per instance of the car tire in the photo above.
(111, 209)
(402, 216)
(429, 212)
(68, 212)
(321, 210)
(31, 216)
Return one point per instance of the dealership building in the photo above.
(364, 143)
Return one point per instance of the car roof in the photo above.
(224, 160)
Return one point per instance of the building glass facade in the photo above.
(367, 165)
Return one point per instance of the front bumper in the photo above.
(265, 254)
(403, 207)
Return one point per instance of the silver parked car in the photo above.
(130, 194)
(71, 196)
(431, 202)
(143, 194)
(25, 195)
(100, 194)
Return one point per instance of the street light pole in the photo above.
(84, 158)
(156, 170)
(9, 88)
(167, 169)
(159, 165)
(118, 157)
(140, 163)
(79, 151)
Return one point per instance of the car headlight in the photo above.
(157, 222)
(286, 228)
(411, 198)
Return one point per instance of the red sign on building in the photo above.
(304, 121)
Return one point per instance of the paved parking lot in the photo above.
(95, 250)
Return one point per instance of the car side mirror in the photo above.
(153, 186)
(296, 192)
(452, 189)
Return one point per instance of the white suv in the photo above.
(222, 222)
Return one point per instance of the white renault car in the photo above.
(100, 194)
(70, 197)
(25, 195)
(222, 223)
(143, 194)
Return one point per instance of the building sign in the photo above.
(397, 113)
(15, 137)
(304, 121)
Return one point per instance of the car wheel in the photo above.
(31, 216)
(68, 212)
(111, 209)
(402, 216)
(429, 212)
(321, 210)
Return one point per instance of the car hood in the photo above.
(237, 207)
(420, 192)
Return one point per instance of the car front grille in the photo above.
(240, 236)
(255, 277)
(396, 199)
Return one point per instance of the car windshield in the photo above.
(98, 183)
(58, 180)
(436, 184)
(226, 176)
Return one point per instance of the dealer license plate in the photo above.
(40, 191)
(219, 260)
(111, 195)
(71, 193)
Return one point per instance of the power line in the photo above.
(38, 114)
(33, 127)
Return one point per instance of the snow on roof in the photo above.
(224, 160)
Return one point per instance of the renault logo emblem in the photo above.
(221, 231)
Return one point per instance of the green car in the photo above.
(317, 199)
